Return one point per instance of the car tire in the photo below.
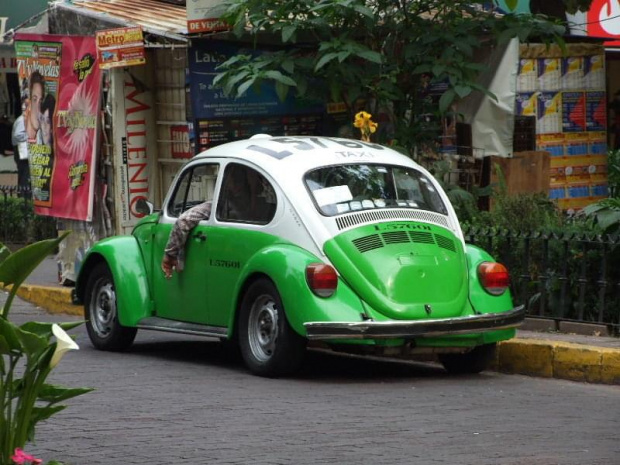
(472, 362)
(269, 346)
(101, 312)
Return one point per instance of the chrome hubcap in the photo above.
(263, 327)
(103, 308)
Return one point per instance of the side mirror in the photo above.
(144, 206)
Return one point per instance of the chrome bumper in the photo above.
(322, 330)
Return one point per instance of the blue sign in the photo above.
(209, 102)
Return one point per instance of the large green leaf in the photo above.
(4, 346)
(39, 414)
(17, 266)
(54, 394)
(31, 343)
(45, 329)
(9, 331)
(4, 252)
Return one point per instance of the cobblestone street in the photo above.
(184, 400)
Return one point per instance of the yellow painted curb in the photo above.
(563, 360)
(527, 357)
(55, 300)
(610, 366)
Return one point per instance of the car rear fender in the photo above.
(481, 300)
(285, 265)
(124, 259)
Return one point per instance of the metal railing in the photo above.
(18, 223)
(564, 276)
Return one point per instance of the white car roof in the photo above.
(294, 156)
(288, 158)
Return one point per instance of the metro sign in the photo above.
(604, 21)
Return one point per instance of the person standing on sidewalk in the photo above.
(19, 138)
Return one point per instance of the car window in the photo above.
(345, 188)
(246, 196)
(196, 185)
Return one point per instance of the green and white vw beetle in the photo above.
(338, 241)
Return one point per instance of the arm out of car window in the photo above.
(173, 253)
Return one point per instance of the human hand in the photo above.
(167, 265)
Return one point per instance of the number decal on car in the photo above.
(311, 143)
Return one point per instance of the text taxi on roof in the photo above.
(311, 240)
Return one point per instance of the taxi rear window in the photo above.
(347, 188)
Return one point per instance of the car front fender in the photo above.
(481, 300)
(124, 258)
(285, 265)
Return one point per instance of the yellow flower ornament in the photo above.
(365, 124)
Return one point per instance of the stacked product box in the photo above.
(567, 96)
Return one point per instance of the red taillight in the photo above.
(322, 279)
(494, 277)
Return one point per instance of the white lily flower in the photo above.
(64, 343)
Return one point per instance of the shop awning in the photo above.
(155, 17)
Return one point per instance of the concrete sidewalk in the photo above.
(593, 359)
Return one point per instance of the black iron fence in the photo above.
(565, 276)
(18, 223)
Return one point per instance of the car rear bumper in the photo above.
(325, 330)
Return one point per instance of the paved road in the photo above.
(182, 400)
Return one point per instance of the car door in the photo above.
(183, 297)
(246, 206)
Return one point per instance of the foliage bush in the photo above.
(555, 260)
(20, 225)
(606, 213)
(393, 56)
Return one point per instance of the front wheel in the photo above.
(472, 362)
(269, 346)
(101, 313)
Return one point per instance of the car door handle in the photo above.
(200, 236)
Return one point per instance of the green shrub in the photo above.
(20, 225)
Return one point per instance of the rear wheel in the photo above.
(269, 346)
(472, 362)
(101, 313)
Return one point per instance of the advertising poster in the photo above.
(572, 73)
(39, 77)
(218, 131)
(60, 78)
(549, 74)
(594, 72)
(120, 47)
(549, 119)
(596, 111)
(179, 135)
(209, 102)
(573, 111)
(527, 77)
(526, 104)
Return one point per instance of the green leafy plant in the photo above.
(409, 61)
(20, 225)
(606, 213)
(28, 353)
(613, 173)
